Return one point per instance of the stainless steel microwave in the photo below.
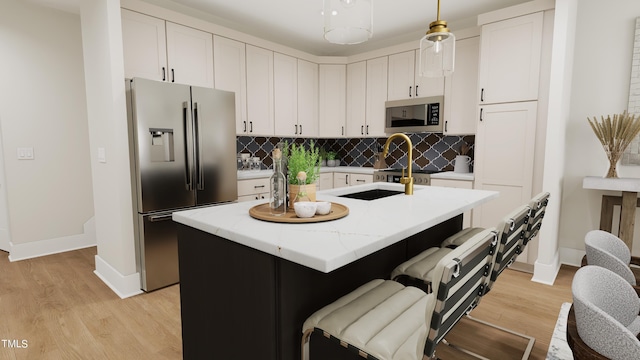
(415, 115)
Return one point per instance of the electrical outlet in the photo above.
(25, 153)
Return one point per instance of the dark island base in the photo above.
(241, 303)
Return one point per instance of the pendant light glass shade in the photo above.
(347, 21)
(437, 50)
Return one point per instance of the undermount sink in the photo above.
(372, 194)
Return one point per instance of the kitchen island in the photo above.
(247, 285)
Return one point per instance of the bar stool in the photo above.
(383, 319)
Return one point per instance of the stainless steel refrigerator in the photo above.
(182, 141)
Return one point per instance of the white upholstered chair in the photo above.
(606, 309)
(383, 319)
(609, 251)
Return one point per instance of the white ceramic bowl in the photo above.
(305, 209)
(323, 207)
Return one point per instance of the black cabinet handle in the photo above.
(245, 126)
(164, 78)
(173, 76)
(296, 131)
(300, 129)
(367, 129)
(445, 126)
(346, 179)
(481, 111)
(361, 129)
(482, 95)
(410, 90)
(416, 90)
(251, 126)
(342, 130)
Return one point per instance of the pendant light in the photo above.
(347, 21)
(437, 50)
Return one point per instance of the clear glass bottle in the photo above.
(278, 189)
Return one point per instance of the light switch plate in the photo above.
(102, 155)
(25, 153)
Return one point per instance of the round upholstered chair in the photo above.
(609, 251)
(606, 310)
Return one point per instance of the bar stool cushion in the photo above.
(421, 265)
(381, 317)
(461, 237)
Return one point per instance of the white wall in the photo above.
(106, 105)
(42, 105)
(602, 68)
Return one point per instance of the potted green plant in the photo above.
(303, 169)
(331, 158)
(323, 157)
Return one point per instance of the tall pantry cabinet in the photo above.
(509, 98)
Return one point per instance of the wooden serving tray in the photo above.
(261, 212)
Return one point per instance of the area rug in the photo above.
(558, 348)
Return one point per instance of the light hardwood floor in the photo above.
(58, 305)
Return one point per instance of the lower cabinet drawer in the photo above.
(252, 187)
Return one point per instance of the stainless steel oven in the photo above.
(420, 177)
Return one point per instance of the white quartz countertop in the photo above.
(614, 184)
(326, 246)
(450, 175)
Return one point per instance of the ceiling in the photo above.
(298, 23)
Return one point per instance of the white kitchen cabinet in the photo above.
(307, 98)
(295, 96)
(332, 101)
(510, 59)
(161, 50)
(260, 115)
(356, 98)
(460, 105)
(404, 80)
(359, 179)
(285, 95)
(253, 189)
(460, 184)
(144, 46)
(230, 75)
(341, 179)
(189, 55)
(377, 70)
(325, 181)
(504, 152)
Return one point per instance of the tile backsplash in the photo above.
(431, 151)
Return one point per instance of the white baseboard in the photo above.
(123, 285)
(54, 246)
(571, 256)
(546, 273)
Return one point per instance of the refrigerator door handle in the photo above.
(198, 150)
(187, 166)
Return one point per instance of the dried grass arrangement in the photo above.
(615, 135)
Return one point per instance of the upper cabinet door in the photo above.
(401, 76)
(510, 59)
(307, 98)
(404, 82)
(144, 46)
(190, 55)
(428, 86)
(230, 75)
(461, 88)
(259, 90)
(332, 101)
(285, 95)
(376, 96)
(356, 98)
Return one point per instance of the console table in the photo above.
(628, 202)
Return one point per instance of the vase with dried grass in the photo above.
(615, 135)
